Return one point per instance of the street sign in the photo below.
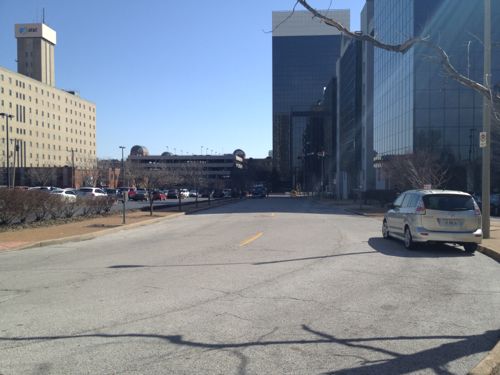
(482, 139)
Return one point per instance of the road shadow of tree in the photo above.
(392, 247)
(435, 358)
(262, 263)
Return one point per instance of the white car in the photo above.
(184, 193)
(65, 194)
(420, 216)
(43, 188)
(91, 192)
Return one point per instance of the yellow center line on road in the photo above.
(251, 239)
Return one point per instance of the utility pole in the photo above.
(15, 155)
(73, 177)
(486, 123)
(7, 117)
(122, 172)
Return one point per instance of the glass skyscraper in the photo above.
(417, 106)
(304, 57)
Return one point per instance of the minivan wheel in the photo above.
(409, 244)
(470, 247)
(385, 230)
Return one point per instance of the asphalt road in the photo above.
(262, 286)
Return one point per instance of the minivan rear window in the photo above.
(448, 202)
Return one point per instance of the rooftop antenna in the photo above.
(43, 15)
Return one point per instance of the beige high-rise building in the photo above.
(50, 127)
(35, 51)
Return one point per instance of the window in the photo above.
(399, 200)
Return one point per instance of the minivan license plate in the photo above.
(450, 222)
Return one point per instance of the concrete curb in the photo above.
(489, 252)
(351, 211)
(220, 203)
(490, 365)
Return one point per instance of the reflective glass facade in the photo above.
(416, 105)
(349, 119)
(302, 68)
(393, 79)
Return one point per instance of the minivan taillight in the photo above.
(477, 211)
(420, 207)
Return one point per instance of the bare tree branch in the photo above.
(286, 19)
(404, 47)
(401, 48)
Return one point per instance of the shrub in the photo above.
(381, 196)
(40, 202)
(9, 202)
(55, 206)
(70, 208)
(20, 206)
(86, 205)
(107, 203)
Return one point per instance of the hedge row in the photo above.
(25, 206)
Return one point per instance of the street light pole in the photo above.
(7, 117)
(73, 177)
(486, 123)
(123, 168)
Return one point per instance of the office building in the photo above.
(304, 56)
(50, 127)
(35, 52)
(367, 176)
(216, 171)
(417, 106)
(349, 105)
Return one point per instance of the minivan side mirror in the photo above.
(391, 206)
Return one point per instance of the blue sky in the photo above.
(181, 74)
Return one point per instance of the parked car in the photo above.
(159, 195)
(206, 193)
(218, 194)
(129, 190)
(184, 193)
(139, 195)
(43, 188)
(193, 193)
(422, 216)
(91, 192)
(495, 204)
(112, 192)
(68, 195)
(172, 194)
(259, 192)
(227, 193)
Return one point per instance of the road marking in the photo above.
(251, 239)
(272, 215)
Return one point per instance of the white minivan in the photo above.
(423, 216)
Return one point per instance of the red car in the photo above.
(159, 196)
